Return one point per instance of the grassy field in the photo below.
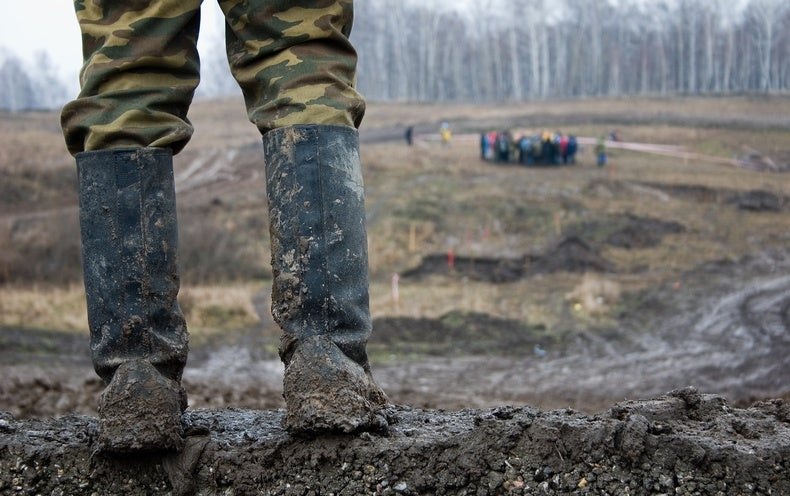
(424, 201)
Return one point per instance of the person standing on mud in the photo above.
(296, 69)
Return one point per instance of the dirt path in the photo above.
(725, 332)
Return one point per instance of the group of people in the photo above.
(546, 148)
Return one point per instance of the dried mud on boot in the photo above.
(325, 391)
(140, 411)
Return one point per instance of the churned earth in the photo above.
(724, 335)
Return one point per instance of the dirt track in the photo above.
(724, 329)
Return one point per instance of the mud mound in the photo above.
(643, 233)
(571, 254)
(455, 333)
(493, 270)
(626, 231)
(682, 443)
(755, 200)
(758, 201)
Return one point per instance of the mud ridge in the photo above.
(569, 254)
(680, 443)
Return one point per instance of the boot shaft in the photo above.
(130, 258)
(319, 242)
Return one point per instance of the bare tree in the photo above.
(18, 91)
(499, 50)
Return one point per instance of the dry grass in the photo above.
(61, 308)
(210, 309)
(207, 309)
(399, 114)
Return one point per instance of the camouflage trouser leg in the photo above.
(292, 59)
(140, 72)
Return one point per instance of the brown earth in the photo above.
(720, 325)
(682, 443)
(725, 333)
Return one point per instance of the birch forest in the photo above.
(538, 49)
(514, 50)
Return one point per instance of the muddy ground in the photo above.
(686, 392)
(682, 443)
(725, 334)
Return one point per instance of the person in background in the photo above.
(524, 149)
(573, 148)
(502, 145)
(296, 69)
(445, 133)
(546, 152)
(485, 146)
(600, 151)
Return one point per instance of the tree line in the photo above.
(30, 86)
(513, 50)
(538, 49)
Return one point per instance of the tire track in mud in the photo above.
(736, 344)
(746, 332)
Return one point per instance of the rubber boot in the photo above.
(137, 331)
(320, 267)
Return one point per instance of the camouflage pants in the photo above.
(291, 58)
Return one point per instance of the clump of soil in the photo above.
(759, 201)
(627, 231)
(682, 443)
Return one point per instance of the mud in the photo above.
(754, 200)
(681, 443)
(722, 327)
(570, 254)
(626, 231)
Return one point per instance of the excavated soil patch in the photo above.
(569, 254)
(488, 269)
(456, 334)
(626, 231)
(753, 200)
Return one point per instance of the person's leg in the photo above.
(296, 68)
(140, 72)
(130, 261)
(293, 61)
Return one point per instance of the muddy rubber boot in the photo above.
(130, 264)
(140, 410)
(320, 267)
